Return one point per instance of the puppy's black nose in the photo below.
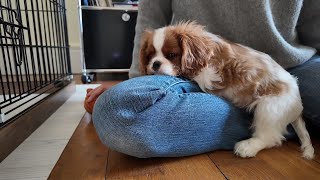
(156, 65)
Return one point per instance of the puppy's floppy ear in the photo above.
(143, 56)
(195, 48)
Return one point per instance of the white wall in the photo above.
(74, 37)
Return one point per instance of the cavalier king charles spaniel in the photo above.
(248, 78)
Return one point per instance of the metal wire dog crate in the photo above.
(34, 53)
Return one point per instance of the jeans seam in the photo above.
(166, 89)
(171, 82)
(143, 109)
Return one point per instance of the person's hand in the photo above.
(93, 94)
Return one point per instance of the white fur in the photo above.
(306, 146)
(158, 40)
(165, 68)
(206, 77)
(214, 37)
(272, 115)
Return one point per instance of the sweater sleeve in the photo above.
(309, 24)
(152, 14)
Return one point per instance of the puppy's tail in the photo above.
(306, 145)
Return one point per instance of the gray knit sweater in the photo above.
(287, 30)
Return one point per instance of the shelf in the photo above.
(109, 8)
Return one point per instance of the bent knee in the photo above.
(115, 116)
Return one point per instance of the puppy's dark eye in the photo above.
(149, 56)
(171, 56)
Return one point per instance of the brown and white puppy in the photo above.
(248, 78)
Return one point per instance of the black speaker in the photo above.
(108, 35)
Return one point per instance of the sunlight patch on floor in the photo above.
(37, 155)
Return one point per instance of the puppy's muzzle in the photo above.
(156, 65)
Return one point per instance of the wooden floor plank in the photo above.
(238, 168)
(84, 157)
(316, 145)
(121, 166)
(282, 162)
(290, 163)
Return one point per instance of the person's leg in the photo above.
(156, 116)
(308, 75)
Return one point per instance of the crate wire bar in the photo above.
(34, 53)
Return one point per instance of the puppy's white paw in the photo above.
(308, 152)
(247, 148)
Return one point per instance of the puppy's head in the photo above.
(175, 50)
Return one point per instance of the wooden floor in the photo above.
(85, 157)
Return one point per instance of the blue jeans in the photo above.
(164, 116)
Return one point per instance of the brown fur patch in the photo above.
(195, 52)
(273, 88)
(147, 51)
(171, 46)
(246, 74)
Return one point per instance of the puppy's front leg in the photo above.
(262, 138)
(269, 125)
